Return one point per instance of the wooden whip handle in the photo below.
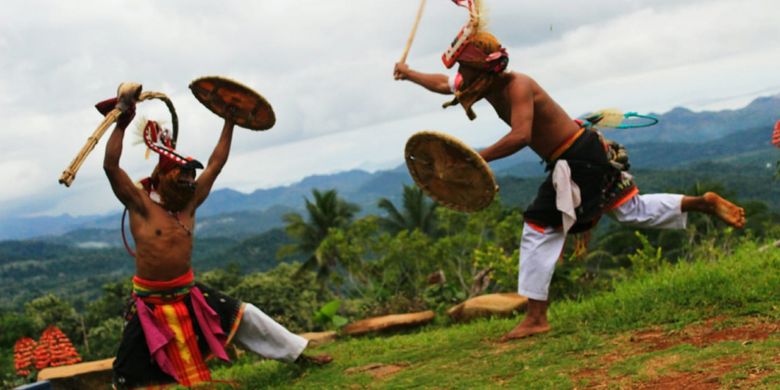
(127, 94)
(414, 31)
(69, 174)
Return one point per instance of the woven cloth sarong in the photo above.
(173, 326)
(602, 186)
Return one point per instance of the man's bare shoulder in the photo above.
(521, 78)
(519, 84)
(518, 75)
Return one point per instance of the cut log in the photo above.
(319, 338)
(389, 323)
(88, 375)
(503, 304)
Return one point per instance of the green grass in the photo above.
(590, 343)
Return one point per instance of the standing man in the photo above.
(175, 323)
(587, 178)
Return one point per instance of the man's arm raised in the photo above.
(521, 101)
(121, 184)
(217, 160)
(434, 82)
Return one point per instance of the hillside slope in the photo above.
(714, 323)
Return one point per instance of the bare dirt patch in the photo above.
(755, 375)
(707, 376)
(704, 334)
(377, 370)
(652, 367)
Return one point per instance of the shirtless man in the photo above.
(175, 323)
(582, 171)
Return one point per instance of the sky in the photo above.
(326, 68)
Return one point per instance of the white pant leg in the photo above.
(538, 254)
(262, 335)
(661, 211)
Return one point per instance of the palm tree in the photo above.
(418, 212)
(326, 212)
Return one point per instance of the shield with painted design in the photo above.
(230, 99)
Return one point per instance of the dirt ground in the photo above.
(377, 370)
(659, 372)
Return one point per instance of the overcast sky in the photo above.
(326, 67)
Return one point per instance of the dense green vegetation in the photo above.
(594, 342)
(379, 260)
(29, 269)
(380, 264)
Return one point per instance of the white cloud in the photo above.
(648, 41)
(21, 177)
(326, 68)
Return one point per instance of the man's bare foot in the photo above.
(317, 360)
(728, 212)
(525, 329)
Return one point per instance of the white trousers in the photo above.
(539, 251)
(262, 335)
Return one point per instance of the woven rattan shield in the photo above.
(449, 171)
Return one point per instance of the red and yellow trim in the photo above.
(161, 285)
(236, 323)
(630, 194)
(536, 227)
(163, 292)
(565, 145)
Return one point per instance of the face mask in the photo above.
(175, 192)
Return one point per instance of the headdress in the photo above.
(158, 140)
(476, 49)
(482, 51)
(452, 53)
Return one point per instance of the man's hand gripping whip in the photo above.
(128, 94)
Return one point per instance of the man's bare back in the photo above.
(523, 105)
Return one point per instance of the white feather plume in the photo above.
(138, 134)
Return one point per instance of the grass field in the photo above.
(714, 323)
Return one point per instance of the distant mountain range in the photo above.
(74, 256)
(684, 125)
(682, 137)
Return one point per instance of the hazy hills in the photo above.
(681, 138)
(78, 255)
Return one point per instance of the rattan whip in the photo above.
(69, 174)
(414, 31)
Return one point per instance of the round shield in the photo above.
(230, 99)
(449, 171)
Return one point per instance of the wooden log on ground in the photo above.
(87, 375)
(319, 338)
(502, 305)
(389, 323)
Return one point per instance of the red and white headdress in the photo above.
(158, 140)
(470, 45)
(450, 56)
